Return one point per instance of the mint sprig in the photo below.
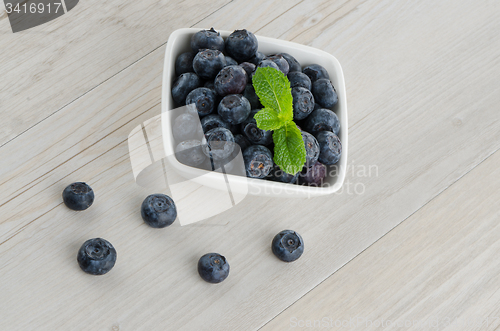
(273, 89)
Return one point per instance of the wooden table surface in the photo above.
(412, 245)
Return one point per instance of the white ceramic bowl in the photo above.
(179, 42)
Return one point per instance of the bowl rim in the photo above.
(291, 189)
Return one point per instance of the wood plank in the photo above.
(439, 267)
(154, 284)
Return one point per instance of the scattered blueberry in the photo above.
(96, 256)
(293, 64)
(219, 144)
(184, 63)
(281, 62)
(288, 245)
(312, 148)
(190, 153)
(313, 175)
(258, 161)
(230, 80)
(213, 121)
(204, 100)
(303, 103)
(256, 135)
(299, 79)
(330, 147)
(208, 62)
(241, 45)
(259, 56)
(185, 127)
(213, 268)
(252, 97)
(207, 39)
(184, 84)
(322, 120)
(234, 108)
(230, 61)
(78, 196)
(324, 93)
(158, 210)
(315, 72)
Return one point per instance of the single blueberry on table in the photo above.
(287, 245)
(184, 63)
(208, 62)
(253, 133)
(312, 148)
(207, 39)
(322, 120)
(258, 161)
(324, 93)
(281, 62)
(234, 108)
(203, 98)
(96, 256)
(230, 80)
(252, 97)
(330, 147)
(213, 121)
(78, 196)
(303, 103)
(313, 175)
(241, 45)
(299, 79)
(185, 127)
(293, 64)
(213, 268)
(158, 210)
(230, 61)
(315, 72)
(190, 153)
(218, 144)
(184, 84)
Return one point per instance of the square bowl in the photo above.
(179, 42)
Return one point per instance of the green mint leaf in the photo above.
(267, 119)
(289, 149)
(273, 89)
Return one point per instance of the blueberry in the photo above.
(230, 80)
(230, 61)
(268, 63)
(313, 175)
(249, 69)
(252, 97)
(312, 148)
(207, 39)
(213, 121)
(158, 210)
(281, 62)
(96, 256)
(185, 127)
(204, 100)
(213, 268)
(184, 84)
(279, 175)
(184, 63)
(303, 103)
(241, 45)
(322, 120)
(208, 62)
(330, 147)
(256, 135)
(299, 79)
(209, 84)
(324, 93)
(258, 161)
(190, 153)
(78, 196)
(234, 108)
(288, 245)
(315, 72)
(259, 56)
(293, 64)
(243, 142)
(219, 144)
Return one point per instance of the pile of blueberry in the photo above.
(97, 256)
(216, 77)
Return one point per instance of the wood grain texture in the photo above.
(439, 267)
(411, 116)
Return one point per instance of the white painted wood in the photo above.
(439, 267)
(421, 114)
